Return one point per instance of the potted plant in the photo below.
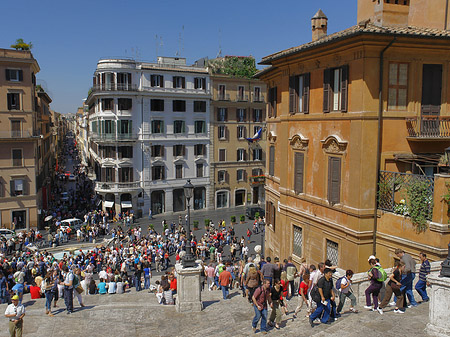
(207, 221)
(195, 224)
(242, 218)
(233, 219)
(256, 215)
(151, 226)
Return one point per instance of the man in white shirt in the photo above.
(15, 313)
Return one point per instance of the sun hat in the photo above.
(15, 297)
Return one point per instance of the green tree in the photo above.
(21, 45)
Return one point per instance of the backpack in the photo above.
(315, 295)
(338, 283)
(383, 275)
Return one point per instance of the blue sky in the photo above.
(69, 37)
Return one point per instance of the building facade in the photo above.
(26, 141)
(357, 122)
(149, 133)
(237, 168)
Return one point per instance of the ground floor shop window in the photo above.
(222, 199)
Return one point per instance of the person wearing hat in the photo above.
(15, 313)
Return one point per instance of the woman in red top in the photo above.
(284, 287)
(303, 295)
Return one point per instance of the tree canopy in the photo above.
(21, 45)
(237, 66)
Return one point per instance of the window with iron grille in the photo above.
(298, 241)
(332, 252)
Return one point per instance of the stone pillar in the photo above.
(189, 296)
(439, 305)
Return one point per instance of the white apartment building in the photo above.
(149, 133)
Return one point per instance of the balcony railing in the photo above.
(19, 134)
(99, 185)
(428, 127)
(241, 98)
(223, 97)
(258, 99)
(114, 87)
(114, 137)
(257, 179)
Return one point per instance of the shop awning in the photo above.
(108, 204)
(127, 204)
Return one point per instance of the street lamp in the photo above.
(188, 258)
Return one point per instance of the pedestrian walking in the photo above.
(261, 297)
(344, 288)
(425, 269)
(15, 312)
(68, 289)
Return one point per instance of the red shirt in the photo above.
(225, 278)
(173, 284)
(35, 292)
(303, 286)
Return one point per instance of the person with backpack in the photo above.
(393, 286)
(260, 298)
(323, 294)
(376, 277)
(343, 287)
(252, 281)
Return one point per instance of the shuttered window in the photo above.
(179, 82)
(270, 214)
(222, 153)
(222, 114)
(157, 105)
(335, 89)
(271, 160)
(13, 101)
(299, 161)
(273, 102)
(17, 159)
(299, 93)
(15, 75)
(398, 86)
(157, 81)
(334, 180)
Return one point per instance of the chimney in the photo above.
(319, 24)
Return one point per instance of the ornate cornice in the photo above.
(271, 137)
(334, 144)
(299, 142)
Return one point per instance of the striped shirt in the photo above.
(425, 269)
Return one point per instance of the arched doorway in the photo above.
(157, 202)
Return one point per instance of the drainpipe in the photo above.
(379, 143)
(446, 15)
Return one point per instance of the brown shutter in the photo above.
(162, 151)
(344, 88)
(120, 175)
(275, 96)
(94, 81)
(130, 176)
(21, 75)
(326, 90)
(161, 81)
(184, 150)
(174, 84)
(306, 79)
(237, 114)
(183, 82)
(12, 188)
(299, 159)
(218, 114)
(226, 114)
(103, 80)
(8, 76)
(270, 103)
(272, 160)
(204, 83)
(334, 180)
(237, 155)
(245, 154)
(292, 100)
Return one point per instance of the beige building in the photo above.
(25, 139)
(237, 165)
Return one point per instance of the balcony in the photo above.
(428, 128)
(19, 134)
(257, 179)
(223, 97)
(112, 137)
(114, 87)
(242, 98)
(258, 98)
(113, 187)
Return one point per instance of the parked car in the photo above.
(64, 196)
(252, 210)
(72, 177)
(73, 223)
(7, 233)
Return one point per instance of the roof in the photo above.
(320, 15)
(367, 28)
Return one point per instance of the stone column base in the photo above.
(439, 305)
(189, 295)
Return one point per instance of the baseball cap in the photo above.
(15, 297)
(371, 257)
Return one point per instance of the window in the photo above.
(157, 81)
(431, 95)
(199, 170)
(178, 127)
(398, 86)
(179, 150)
(17, 187)
(240, 115)
(270, 214)
(199, 106)
(17, 159)
(257, 154)
(158, 172)
(222, 114)
(333, 252)
(222, 132)
(108, 151)
(298, 241)
(199, 150)
(109, 174)
(257, 172)
(257, 115)
(221, 176)
(124, 126)
(157, 151)
(13, 101)
(124, 103)
(108, 81)
(299, 93)
(240, 174)
(124, 82)
(256, 129)
(299, 160)
(222, 199)
(16, 128)
(221, 92)
(178, 171)
(257, 94)
(271, 160)
(157, 126)
(335, 83)
(222, 154)
(241, 155)
(125, 152)
(199, 126)
(200, 83)
(240, 93)
(334, 180)
(273, 102)
(107, 104)
(179, 82)
(126, 174)
(179, 106)
(241, 132)
(157, 105)
(14, 75)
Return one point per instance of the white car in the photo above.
(72, 178)
(64, 196)
(73, 223)
(7, 233)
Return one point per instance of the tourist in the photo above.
(393, 286)
(225, 280)
(276, 294)
(425, 269)
(101, 287)
(92, 287)
(268, 270)
(120, 286)
(375, 286)
(15, 312)
(407, 277)
(325, 289)
(111, 287)
(3, 288)
(346, 291)
(252, 281)
(209, 272)
(303, 298)
(68, 289)
(147, 275)
(260, 298)
(78, 289)
(291, 274)
(47, 288)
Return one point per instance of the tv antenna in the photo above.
(219, 54)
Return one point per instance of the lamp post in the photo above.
(188, 258)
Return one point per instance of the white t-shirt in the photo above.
(112, 287)
(12, 309)
(344, 282)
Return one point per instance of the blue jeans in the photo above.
(225, 292)
(407, 287)
(146, 281)
(421, 287)
(260, 314)
(48, 300)
(322, 308)
(137, 283)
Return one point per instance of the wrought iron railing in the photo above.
(394, 191)
(116, 186)
(113, 136)
(115, 87)
(428, 127)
